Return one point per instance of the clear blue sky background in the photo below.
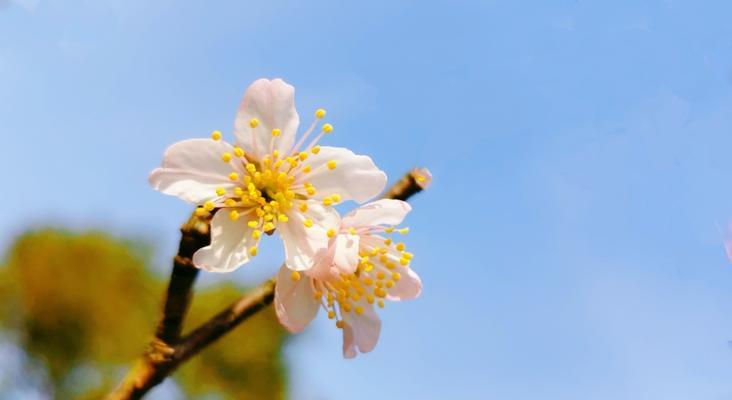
(570, 246)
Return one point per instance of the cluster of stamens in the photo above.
(269, 187)
(381, 265)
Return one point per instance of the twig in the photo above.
(167, 352)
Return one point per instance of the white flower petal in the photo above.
(294, 301)
(302, 243)
(230, 242)
(193, 169)
(380, 212)
(355, 177)
(407, 288)
(272, 103)
(361, 332)
(345, 255)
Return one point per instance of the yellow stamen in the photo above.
(201, 212)
(295, 276)
(319, 113)
(216, 135)
(276, 132)
(209, 206)
(238, 151)
(331, 232)
(234, 215)
(303, 207)
(220, 191)
(308, 223)
(327, 128)
(226, 157)
(315, 150)
(234, 176)
(331, 164)
(253, 122)
(253, 251)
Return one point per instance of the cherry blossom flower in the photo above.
(266, 181)
(360, 267)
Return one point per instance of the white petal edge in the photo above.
(272, 103)
(294, 302)
(355, 177)
(361, 332)
(380, 212)
(302, 243)
(193, 169)
(230, 241)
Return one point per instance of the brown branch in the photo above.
(167, 352)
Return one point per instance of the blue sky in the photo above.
(570, 246)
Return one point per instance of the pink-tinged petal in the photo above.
(353, 178)
(193, 169)
(361, 332)
(301, 242)
(407, 288)
(345, 252)
(230, 242)
(380, 212)
(272, 104)
(294, 301)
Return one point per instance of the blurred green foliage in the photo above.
(84, 306)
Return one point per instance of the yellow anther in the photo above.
(347, 307)
(359, 310)
(396, 276)
(387, 241)
(238, 151)
(201, 212)
(336, 197)
(307, 168)
(310, 190)
(251, 168)
(308, 223)
(380, 275)
(389, 229)
(253, 122)
(340, 324)
(327, 128)
(327, 200)
(282, 218)
(368, 281)
(276, 132)
(380, 292)
(331, 314)
(230, 203)
(220, 191)
(403, 261)
(238, 191)
(234, 215)
(403, 231)
(253, 223)
(351, 230)
(234, 176)
(268, 227)
(315, 150)
(216, 135)
(420, 178)
(400, 246)
(331, 232)
(295, 276)
(256, 233)
(381, 303)
(276, 153)
(253, 251)
(319, 113)
(209, 206)
(303, 155)
(389, 284)
(226, 157)
(303, 207)
(331, 164)
(407, 255)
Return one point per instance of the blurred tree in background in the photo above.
(82, 307)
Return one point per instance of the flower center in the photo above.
(379, 270)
